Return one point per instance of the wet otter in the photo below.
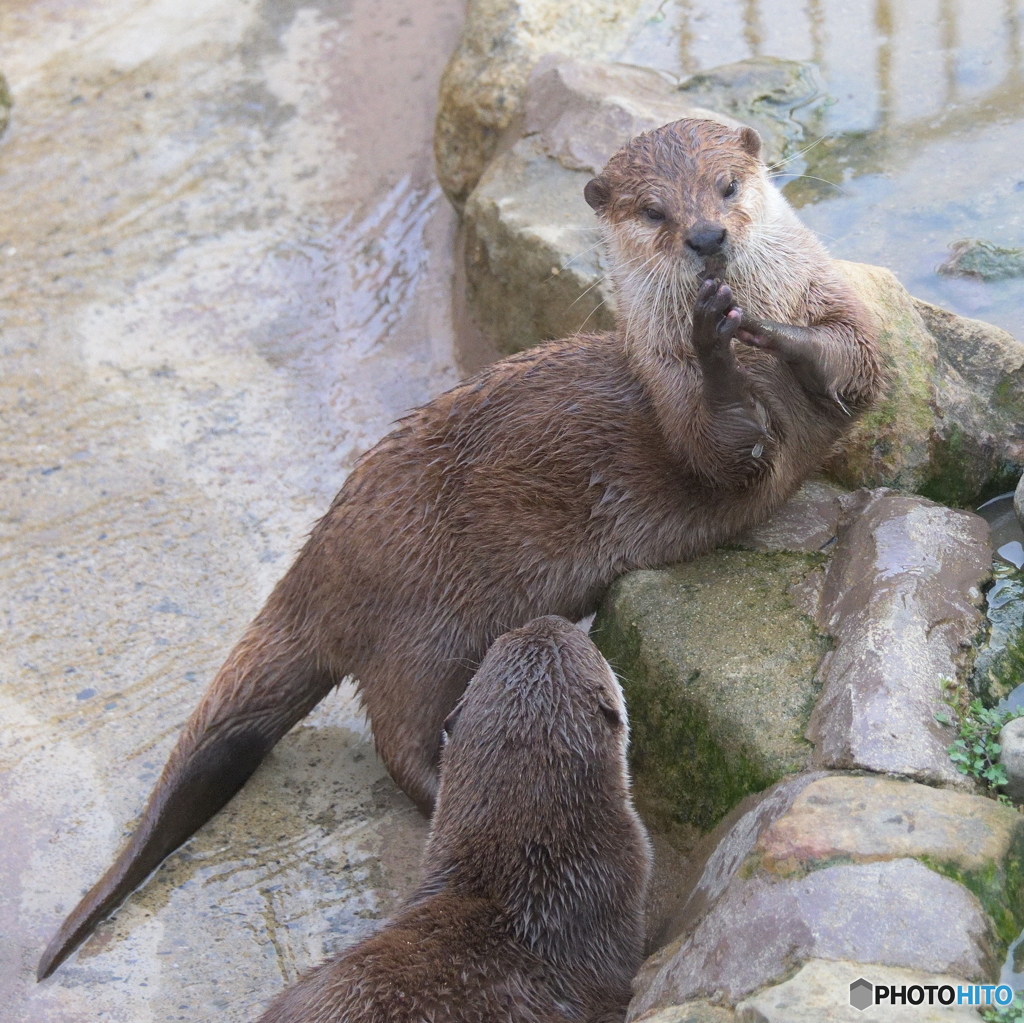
(532, 901)
(530, 487)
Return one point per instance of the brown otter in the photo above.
(531, 906)
(527, 489)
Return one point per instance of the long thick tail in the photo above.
(267, 684)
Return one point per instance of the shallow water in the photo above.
(922, 137)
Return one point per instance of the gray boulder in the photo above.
(898, 913)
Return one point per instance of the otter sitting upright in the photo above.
(530, 487)
(531, 908)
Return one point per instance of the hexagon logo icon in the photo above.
(861, 993)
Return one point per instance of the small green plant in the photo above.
(1012, 1013)
(976, 750)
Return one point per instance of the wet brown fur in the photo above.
(536, 868)
(530, 487)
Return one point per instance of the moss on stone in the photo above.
(999, 888)
(961, 475)
(718, 667)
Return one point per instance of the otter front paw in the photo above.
(716, 320)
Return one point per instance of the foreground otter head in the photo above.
(537, 744)
(687, 192)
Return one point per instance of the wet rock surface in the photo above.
(760, 927)
(840, 628)
(224, 270)
(900, 598)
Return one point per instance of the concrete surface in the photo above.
(224, 270)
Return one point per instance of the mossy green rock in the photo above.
(950, 425)
(718, 665)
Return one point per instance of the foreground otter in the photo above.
(530, 487)
(531, 906)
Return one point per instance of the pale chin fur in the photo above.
(656, 293)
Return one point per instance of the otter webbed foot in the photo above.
(797, 346)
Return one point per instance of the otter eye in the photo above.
(653, 215)
(731, 188)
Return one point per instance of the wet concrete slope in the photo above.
(224, 270)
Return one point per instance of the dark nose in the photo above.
(706, 239)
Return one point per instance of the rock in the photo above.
(483, 84)
(951, 425)
(900, 598)
(977, 444)
(1018, 501)
(584, 111)
(534, 268)
(715, 712)
(943, 861)
(1011, 738)
(839, 819)
(780, 98)
(700, 1011)
(819, 993)
(717, 858)
(897, 913)
(809, 521)
(982, 261)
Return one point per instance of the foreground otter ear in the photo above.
(610, 713)
(448, 728)
(750, 141)
(597, 193)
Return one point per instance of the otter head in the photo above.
(684, 195)
(536, 748)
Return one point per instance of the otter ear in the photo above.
(750, 141)
(610, 713)
(448, 728)
(597, 193)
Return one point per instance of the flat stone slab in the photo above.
(820, 993)
(863, 819)
(898, 913)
